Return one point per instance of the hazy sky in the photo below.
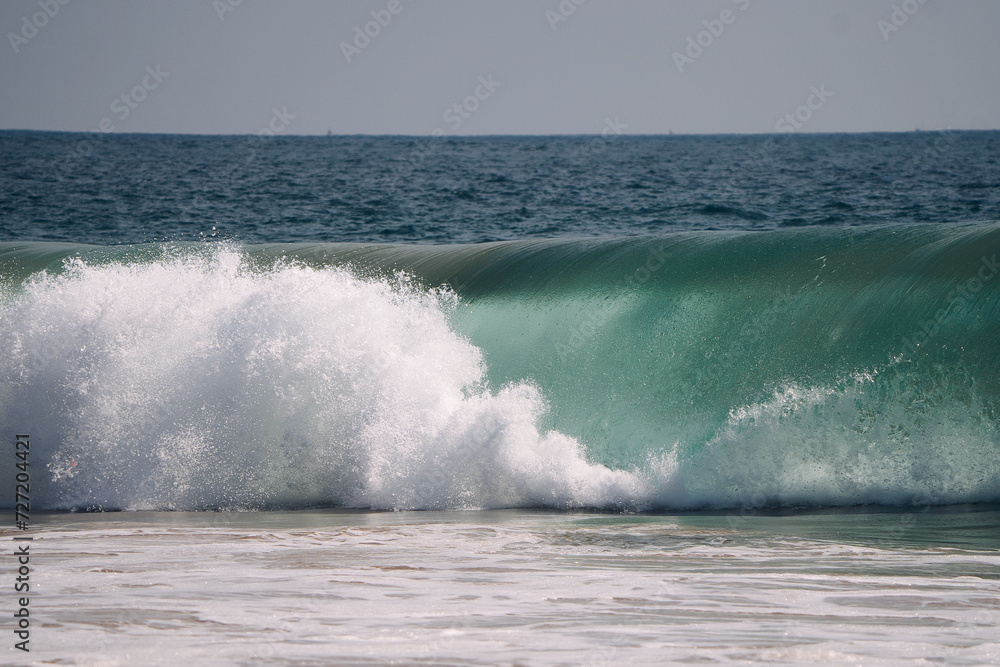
(500, 67)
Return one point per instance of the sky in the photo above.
(468, 67)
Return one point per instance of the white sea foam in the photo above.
(198, 382)
(538, 588)
(867, 440)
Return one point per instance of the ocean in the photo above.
(501, 400)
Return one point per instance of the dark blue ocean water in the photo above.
(92, 188)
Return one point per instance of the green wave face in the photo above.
(723, 369)
(641, 344)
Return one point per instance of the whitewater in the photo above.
(196, 383)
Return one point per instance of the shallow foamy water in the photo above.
(514, 587)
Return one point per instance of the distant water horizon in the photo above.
(116, 188)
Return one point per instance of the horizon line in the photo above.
(504, 134)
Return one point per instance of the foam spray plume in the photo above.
(195, 382)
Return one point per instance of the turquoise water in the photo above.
(699, 369)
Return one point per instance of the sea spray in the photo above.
(195, 382)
